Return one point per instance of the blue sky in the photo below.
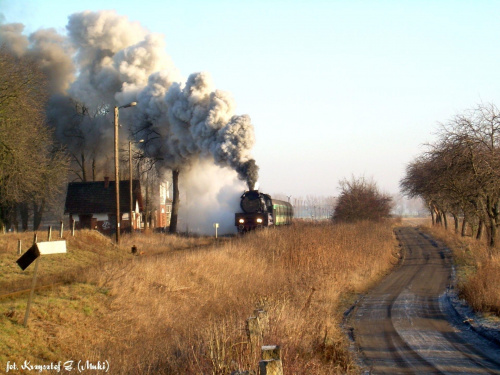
(334, 88)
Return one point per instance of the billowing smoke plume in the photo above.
(106, 60)
(50, 50)
(194, 121)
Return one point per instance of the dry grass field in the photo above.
(184, 312)
(478, 270)
(86, 249)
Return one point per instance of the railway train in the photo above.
(260, 210)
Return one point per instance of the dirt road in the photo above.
(406, 325)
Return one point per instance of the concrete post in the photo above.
(271, 352)
(270, 367)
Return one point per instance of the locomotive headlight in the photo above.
(259, 220)
(241, 221)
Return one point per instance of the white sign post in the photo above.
(33, 255)
(216, 225)
(53, 247)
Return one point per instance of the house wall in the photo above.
(163, 216)
(104, 223)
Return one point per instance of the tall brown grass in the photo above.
(478, 270)
(185, 313)
(87, 248)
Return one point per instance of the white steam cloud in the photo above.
(210, 194)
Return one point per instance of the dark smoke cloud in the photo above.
(195, 120)
(106, 60)
(53, 52)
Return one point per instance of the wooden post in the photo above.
(49, 236)
(19, 247)
(35, 238)
(73, 229)
(33, 283)
(131, 196)
(61, 231)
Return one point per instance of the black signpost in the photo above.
(28, 257)
(33, 255)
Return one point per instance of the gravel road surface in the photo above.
(407, 324)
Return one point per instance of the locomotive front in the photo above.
(257, 211)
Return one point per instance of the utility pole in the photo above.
(117, 170)
(131, 221)
(117, 180)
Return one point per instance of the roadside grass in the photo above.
(86, 249)
(478, 270)
(185, 313)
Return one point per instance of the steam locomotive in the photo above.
(260, 210)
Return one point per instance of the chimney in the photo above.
(106, 182)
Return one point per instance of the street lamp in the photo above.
(130, 178)
(117, 176)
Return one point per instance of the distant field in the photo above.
(185, 311)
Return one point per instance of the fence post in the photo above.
(254, 332)
(270, 367)
(263, 319)
(35, 238)
(271, 352)
(61, 231)
(73, 229)
(271, 361)
(49, 236)
(19, 247)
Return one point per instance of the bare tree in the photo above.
(26, 146)
(460, 173)
(82, 130)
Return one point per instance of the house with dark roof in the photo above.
(92, 205)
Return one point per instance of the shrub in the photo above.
(361, 199)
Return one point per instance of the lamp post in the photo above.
(130, 178)
(117, 176)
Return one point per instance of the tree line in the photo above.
(459, 174)
(32, 165)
